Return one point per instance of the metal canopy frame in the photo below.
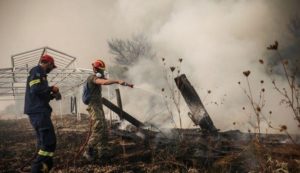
(66, 76)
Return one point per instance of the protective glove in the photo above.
(57, 96)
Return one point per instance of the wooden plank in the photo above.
(122, 114)
(119, 100)
(198, 113)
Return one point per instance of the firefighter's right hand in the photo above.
(54, 89)
(126, 84)
(121, 82)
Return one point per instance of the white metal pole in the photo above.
(109, 111)
(78, 106)
(60, 109)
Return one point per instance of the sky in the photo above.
(217, 40)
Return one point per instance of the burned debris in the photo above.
(143, 149)
(198, 113)
(201, 147)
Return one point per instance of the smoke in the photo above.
(12, 110)
(217, 40)
(9, 110)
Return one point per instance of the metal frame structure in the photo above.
(67, 77)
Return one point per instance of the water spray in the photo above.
(145, 90)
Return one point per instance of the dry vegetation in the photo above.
(229, 152)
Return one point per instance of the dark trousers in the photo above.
(46, 141)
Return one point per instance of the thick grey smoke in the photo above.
(217, 40)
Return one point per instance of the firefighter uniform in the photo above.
(37, 98)
(97, 144)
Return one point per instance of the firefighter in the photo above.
(37, 98)
(97, 148)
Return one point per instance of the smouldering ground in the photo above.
(18, 145)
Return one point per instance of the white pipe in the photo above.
(60, 109)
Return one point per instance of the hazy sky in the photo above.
(218, 40)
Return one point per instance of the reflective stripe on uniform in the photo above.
(45, 168)
(33, 82)
(45, 153)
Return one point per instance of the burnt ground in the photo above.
(229, 152)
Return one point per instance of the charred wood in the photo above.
(122, 114)
(198, 113)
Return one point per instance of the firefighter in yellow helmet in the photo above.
(97, 148)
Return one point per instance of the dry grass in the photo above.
(18, 145)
